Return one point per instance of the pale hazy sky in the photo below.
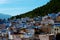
(15, 7)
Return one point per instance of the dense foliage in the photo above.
(51, 7)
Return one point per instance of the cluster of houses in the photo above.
(27, 27)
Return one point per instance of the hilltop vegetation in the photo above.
(51, 7)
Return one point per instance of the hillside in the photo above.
(51, 7)
(4, 16)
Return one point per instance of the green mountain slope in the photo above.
(51, 7)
